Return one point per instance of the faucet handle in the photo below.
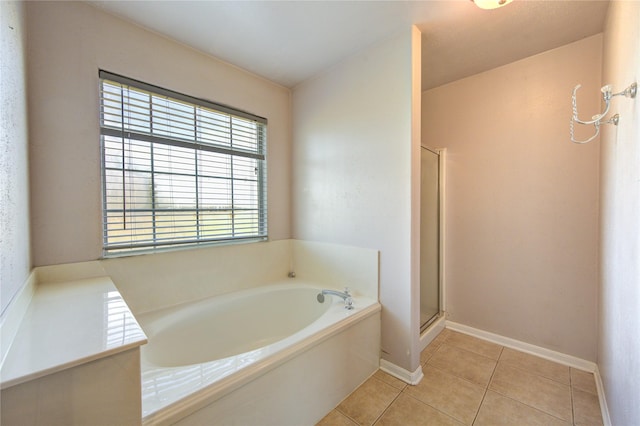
(348, 303)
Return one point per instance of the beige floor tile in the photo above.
(498, 410)
(389, 379)
(583, 381)
(464, 364)
(408, 411)
(441, 338)
(433, 346)
(367, 402)
(539, 392)
(586, 408)
(452, 395)
(428, 352)
(536, 365)
(336, 418)
(475, 345)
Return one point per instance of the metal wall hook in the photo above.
(597, 120)
(615, 119)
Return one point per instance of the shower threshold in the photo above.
(429, 320)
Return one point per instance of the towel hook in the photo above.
(597, 120)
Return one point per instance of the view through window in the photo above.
(178, 170)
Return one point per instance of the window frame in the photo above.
(197, 145)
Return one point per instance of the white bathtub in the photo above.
(269, 355)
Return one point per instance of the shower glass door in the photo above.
(429, 238)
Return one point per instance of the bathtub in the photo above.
(268, 355)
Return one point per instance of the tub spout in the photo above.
(346, 296)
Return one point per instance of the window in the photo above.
(178, 170)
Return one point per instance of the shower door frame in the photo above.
(441, 153)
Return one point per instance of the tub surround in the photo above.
(77, 340)
(333, 264)
(161, 280)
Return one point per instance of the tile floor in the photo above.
(469, 381)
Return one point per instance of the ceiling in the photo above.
(289, 42)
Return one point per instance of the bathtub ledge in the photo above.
(68, 324)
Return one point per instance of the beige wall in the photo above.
(68, 43)
(522, 200)
(619, 322)
(15, 259)
(352, 174)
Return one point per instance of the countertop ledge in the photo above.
(69, 324)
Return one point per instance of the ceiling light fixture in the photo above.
(491, 4)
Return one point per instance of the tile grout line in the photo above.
(554, 382)
(470, 351)
(387, 408)
(336, 408)
(573, 410)
(423, 365)
(530, 406)
(383, 411)
(486, 389)
(458, 377)
(431, 406)
(347, 416)
(534, 408)
(533, 373)
(572, 422)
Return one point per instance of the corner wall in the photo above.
(352, 174)
(15, 256)
(619, 322)
(522, 200)
(68, 43)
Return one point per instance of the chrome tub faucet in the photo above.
(346, 296)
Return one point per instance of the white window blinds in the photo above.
(178, 170)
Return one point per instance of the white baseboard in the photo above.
(413, 378)
(604, 408)
(560, 358)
